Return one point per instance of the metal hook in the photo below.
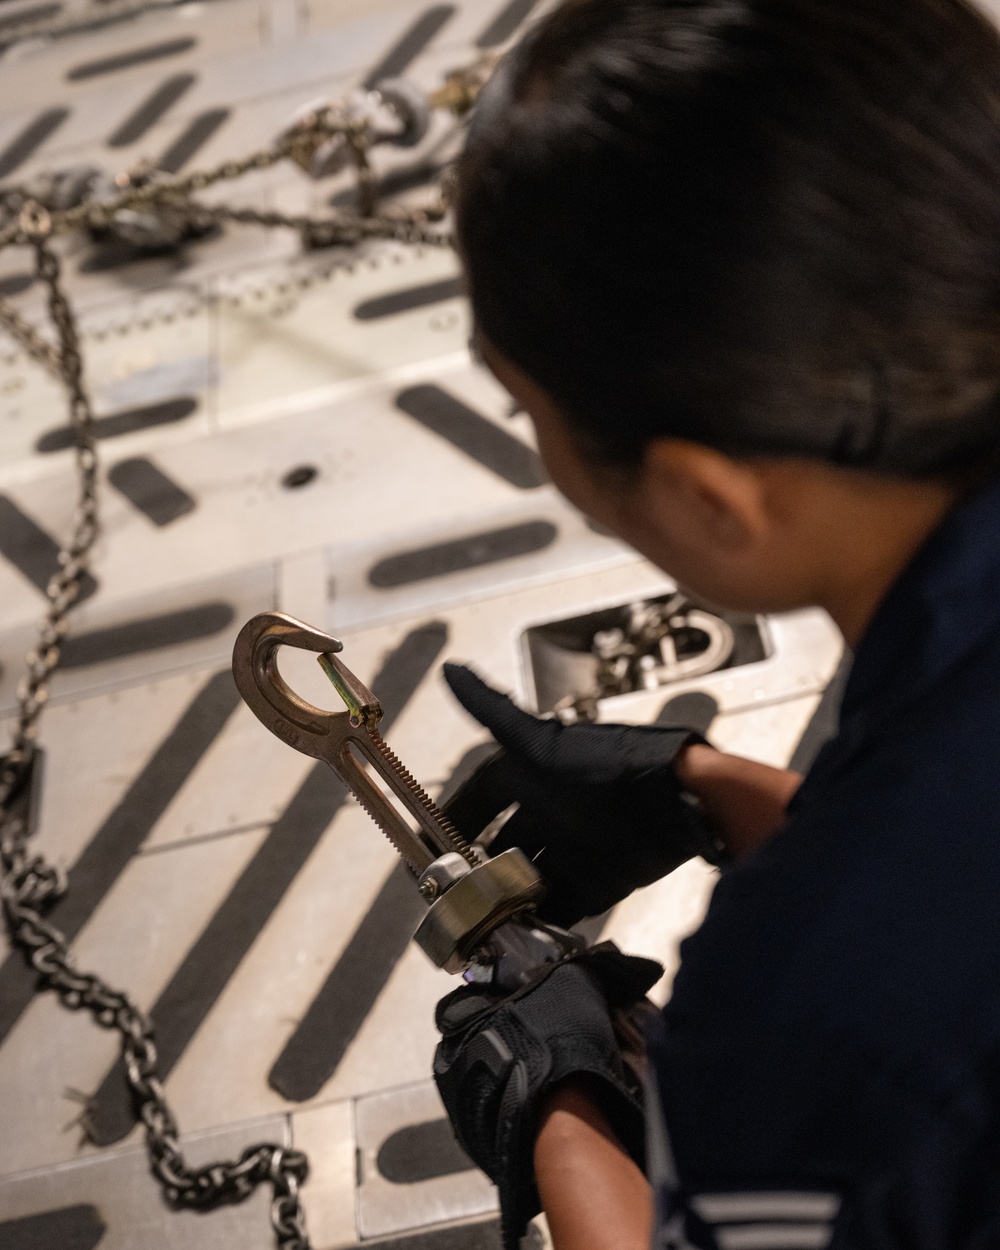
(338, 738)
(255, 670)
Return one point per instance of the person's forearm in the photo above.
(593, 1195)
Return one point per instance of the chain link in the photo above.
(144, 188)
(64, 586)
(25, 333)
(29, 885)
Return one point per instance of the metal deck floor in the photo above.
(215, 874)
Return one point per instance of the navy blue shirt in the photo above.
(829, 1067)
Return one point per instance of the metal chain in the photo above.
(64, 586)
(330, 232)
(29, 885)
(174, 193)
(25, 333)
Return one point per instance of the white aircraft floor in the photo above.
(218, 876)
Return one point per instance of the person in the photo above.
(740, 262)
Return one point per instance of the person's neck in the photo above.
(895, 520)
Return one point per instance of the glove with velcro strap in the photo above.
(601, 811)
(499, 1056)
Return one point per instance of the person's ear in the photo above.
(704, 497)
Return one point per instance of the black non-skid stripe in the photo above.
(37, 13)
(315, 1050)
(149, 489)
(393, 182)
(33, 552)
(460, 554)
(149, 633)
(67, 1228)
(15, 283)
(113, 845)
(111, 254)
(824, 722)
(410, 44)
(408, 298)
(218, 951)
(126, 60)
(127, 421)
(505, 22)
(483, 1235)
(470, 432)
(30, 139)
(694, 709)
(191, 140)
(151, 110)
(421, 1152)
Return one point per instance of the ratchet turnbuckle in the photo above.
(479, 919)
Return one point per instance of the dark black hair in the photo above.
(770, 226)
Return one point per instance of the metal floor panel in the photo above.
(394, 1203)
(118, 1186)
(222, 1072)
(305, 432)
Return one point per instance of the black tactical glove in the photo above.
(601, 810)
(498, 1056)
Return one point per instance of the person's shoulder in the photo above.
(843, 982)
(878, 901)
(846, 971)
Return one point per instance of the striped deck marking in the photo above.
(151, 110)
(33, 552)
(695, 709)
(314, 1051)
(125, 422)
(410, 44)
(149, 489)
(506, 21)
(126, 60)
(408, 298)
(111, 254)
(30, 139)
(148, 633)
(191, 140)
(67, 1228)
(320, 1041)
(123, 832)
(37, 13)
(394, 182)
(15, 283)
(443, 414)
(421, 1152)
(470, 552)
(218, 951)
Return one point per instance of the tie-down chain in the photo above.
(147, 208)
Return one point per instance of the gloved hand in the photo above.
(601, 810)
(499, 1056)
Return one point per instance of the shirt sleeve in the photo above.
(943, 1195)
(730, 1217)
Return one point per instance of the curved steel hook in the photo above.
(338, 738)
(272, 700)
